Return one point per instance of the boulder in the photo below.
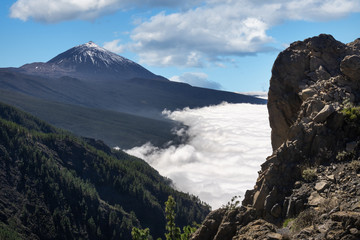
(274, 236)
(210, 225)
(350, 67)
(315, 199)
(256, 230)
(307, 93)
(320, 186)
(324, 113)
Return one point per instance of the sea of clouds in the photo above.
(227, 143)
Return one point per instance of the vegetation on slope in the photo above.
(57, 186)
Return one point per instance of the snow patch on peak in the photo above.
(90, 53)
(91, 44)
(93, 51)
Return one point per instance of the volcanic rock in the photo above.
(313, 109)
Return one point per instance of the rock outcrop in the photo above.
(313, 173)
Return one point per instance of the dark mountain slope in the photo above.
(174, 95)
(139, 96)
(56, 186)
(96, 79)
(114, 128)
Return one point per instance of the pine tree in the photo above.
(173, 232)
(140, 234)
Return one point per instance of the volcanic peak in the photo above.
(91, 62)
(90, 53)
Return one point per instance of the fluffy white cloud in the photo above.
(114, 46)
(227, 144)
(51, 11)
(198, 31)
(62, 10)
(188, 38)
(223, 28)
(197, 79)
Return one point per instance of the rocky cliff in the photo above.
(309, 188)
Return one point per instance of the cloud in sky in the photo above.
(221, 29)
(114, 46)
(53, 11)
(227, 143)
(195, 33)
(197, 79)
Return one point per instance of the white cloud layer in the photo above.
(227, 144)
(197, 79)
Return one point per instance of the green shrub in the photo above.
(351, 113)
(343, 156)
(233, 203)
(309, 174)
(304, 219)
(140, 234)
(287, 222)
(7, 232)
(355, 164)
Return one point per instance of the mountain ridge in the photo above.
(64, 80)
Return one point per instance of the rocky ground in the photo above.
(309, 187)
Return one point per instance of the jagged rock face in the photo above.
(312, 82)
(294, 69)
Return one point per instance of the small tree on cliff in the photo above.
(140, 234)
(172, 232)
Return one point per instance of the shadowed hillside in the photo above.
(57, 186)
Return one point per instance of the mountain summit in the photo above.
(90, 62)
(90, 54)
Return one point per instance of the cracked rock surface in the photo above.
(312, 179)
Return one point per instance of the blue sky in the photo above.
(224, 44)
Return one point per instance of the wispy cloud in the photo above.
(114, 46)
(197, 79)
(227, 144)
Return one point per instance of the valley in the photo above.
(82, 101)
(69, 184)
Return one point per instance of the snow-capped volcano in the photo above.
(90, 53)
(90, 62)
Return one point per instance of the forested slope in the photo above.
(57, 186)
